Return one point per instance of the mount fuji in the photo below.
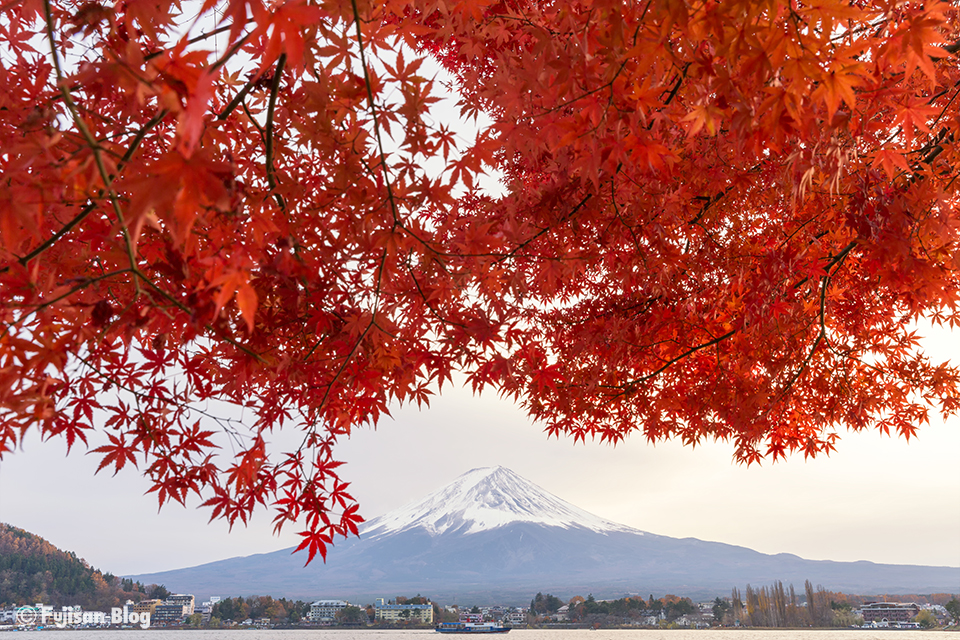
(484, 500)
(493, 536)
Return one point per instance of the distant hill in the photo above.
(493, 536)
(33, 570)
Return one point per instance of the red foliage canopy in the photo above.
(719, 219)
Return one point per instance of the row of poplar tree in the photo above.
(775, 606)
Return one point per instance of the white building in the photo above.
(326, 610)
(517, 616)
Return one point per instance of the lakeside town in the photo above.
(183, 611)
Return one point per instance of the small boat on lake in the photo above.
(471, 627)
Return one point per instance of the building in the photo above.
(326, 610)
(186, 600)
(205, 610)
(887, 612)
(167, 613)
(384, 612)
(146, 606)
(517, 616)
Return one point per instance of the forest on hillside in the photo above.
(32, 570)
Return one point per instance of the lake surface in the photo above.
(516, 634)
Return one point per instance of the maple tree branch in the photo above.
(91, 142)
(840, 257)
(49, 242)
(513, 252)
(616, 211)
(821, 336)
(253, 121)
(194, 40)
(937, 147)
(233, 50)
(940, 94)
(833, 261)
(353, 350)
(237, 99)
(630, 387)
(499, 257)
(203, 36)
(274, 89)
(676, 87)
(934, 147)
(423, 296)
(225, 423)
(188, 311)
(373, 112)
(709, 201)
(86, 282)
(605, 85)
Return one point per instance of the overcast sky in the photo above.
(877, 498)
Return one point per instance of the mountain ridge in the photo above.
(33, 569)
(491, 535)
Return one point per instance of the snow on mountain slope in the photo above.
(485, 499)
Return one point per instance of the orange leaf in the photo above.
(247, 302)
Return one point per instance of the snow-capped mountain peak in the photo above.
(484, 499)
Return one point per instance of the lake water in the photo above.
(516, 634)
